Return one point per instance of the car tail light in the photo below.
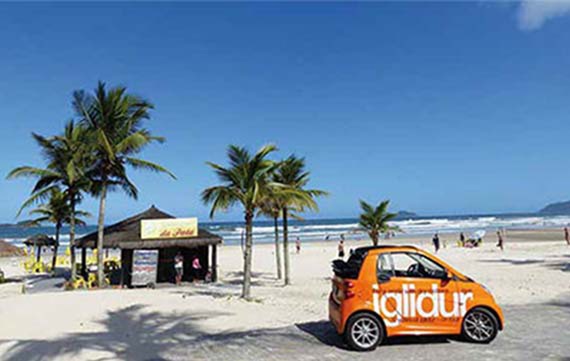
(348, 293)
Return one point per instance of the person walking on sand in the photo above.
(567, 235)
(179, 267)
(435, 241)
(196, 268)
(500, 240)
(298, 245)
(341, 249)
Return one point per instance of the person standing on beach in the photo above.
(342, 237)
(196, 268)
(341, 249)
(500, 240)
(566, 235)
(298, 245)
(435, 241)
(179, 267)
(462, 239)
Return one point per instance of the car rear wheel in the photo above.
(364, 332)
(480, 326)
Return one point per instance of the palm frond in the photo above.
(147, 165)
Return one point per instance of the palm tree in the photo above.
(67, 156)
(375, 220)
(294, 197)
(246, 182)
(271, 208)
(115, 119)
(58, 212)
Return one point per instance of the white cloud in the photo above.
(532, 14)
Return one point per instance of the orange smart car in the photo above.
(392, 291)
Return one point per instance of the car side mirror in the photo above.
(442, 275)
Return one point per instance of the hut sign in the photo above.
(145, 264)
(169, 228)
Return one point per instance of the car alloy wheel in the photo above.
(480, 326)
(365, 332)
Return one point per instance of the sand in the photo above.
(534, 268)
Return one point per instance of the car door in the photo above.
(416, 297)
(388, 297)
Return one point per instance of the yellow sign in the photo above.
(169, 228)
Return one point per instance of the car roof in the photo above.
(364, 250)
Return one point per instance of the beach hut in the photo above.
(150, 241)
(39, 241)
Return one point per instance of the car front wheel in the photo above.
(364, 332)
(480, 326)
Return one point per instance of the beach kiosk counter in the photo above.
(150, 241)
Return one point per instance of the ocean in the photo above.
(320, 229)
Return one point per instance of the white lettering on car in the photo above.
(408, 303)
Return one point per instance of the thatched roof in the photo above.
(9, 250)
(42, 240)
(126, 234)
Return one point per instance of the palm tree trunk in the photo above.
(54, 259)
(72, 237)
(246, 291)
(100, 230)
(277, 249)
(286, 247)
(39, 255)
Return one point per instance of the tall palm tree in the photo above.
(246, 181)
(115, 119)
(68, 156)
(292, 174)
(375, 220)
(271, 208)
(58, 212)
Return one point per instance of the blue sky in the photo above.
(441, 107)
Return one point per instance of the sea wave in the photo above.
(318, 230)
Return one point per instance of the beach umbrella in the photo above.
(478, 234)
(40, 240)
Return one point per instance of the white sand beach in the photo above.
(534, 268)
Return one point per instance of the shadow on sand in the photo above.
(127, 333)
(324, 332)
(559, 265)
(133, 333)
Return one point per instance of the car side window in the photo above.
(404, 264)
(430, 266)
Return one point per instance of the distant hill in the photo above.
(406, 215)
(21, 224)
(556, 208)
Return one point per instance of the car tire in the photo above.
(364, 332)
(479, 326)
